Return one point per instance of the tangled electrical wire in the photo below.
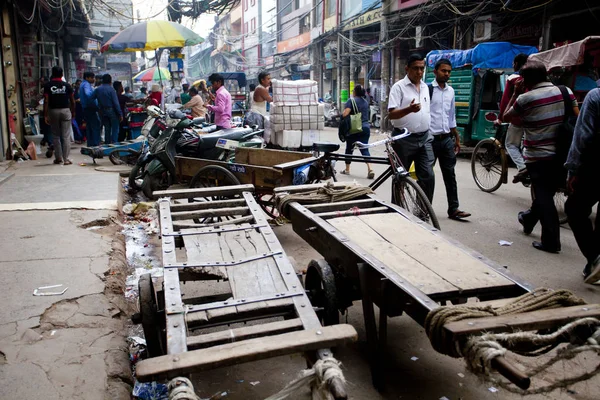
(194, 8)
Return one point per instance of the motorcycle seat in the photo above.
(198, 121)
(326, 147)
(209, 140)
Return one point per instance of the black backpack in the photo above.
(430, 86)
(566, 129)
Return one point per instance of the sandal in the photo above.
(344, 172)
(68, 162)
(58, 161)
(371, 174)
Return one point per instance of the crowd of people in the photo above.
(548, 149)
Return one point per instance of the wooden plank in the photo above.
(530, 321)
(294, 164)
(211, 212)
(350, 211)
(193, 225)
(201, 249)
(243, 333)
(340, 205)
(231, 315)
(267, 157)
(164, 367)
(410, 269)
(204, 192)
(434, 252)
(203, 205)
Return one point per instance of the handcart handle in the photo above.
(510, 372)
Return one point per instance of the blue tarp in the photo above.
(484, 55)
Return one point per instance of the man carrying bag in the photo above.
(357, 109)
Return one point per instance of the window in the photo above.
(305, 24)
(245, 27)
(285, 7)
(331, 8)
(253, 25)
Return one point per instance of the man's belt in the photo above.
(442, 136)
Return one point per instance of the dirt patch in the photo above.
(102, 222)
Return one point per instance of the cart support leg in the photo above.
(373, 343)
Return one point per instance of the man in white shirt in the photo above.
(446, 142)
(409, 108)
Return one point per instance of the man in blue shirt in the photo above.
(583, 166)
(110, 110)
(90, 109)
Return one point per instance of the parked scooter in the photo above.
(159, 173)
(332, 115)
(375, 115)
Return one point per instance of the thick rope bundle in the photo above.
(181, 389)
(539, 299)
(582, 335)
(319, 377)
(325, 194)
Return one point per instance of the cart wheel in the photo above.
(212, 176)
(322, 292)
(266, 201)
(150, 318)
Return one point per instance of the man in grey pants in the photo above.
(59, 109)
(409, 108)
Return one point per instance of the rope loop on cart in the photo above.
(324, 373)
(582, 335)
(181, 389)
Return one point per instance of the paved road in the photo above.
(431, 375)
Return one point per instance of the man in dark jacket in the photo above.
(110, 109)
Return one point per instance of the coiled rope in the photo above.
(325, 194)
(582, 335)
(181, 389)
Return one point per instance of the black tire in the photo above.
(152, 183)
(407, 194)
(151, 323)
(487, 164)
(136, 174)
(321, 290)
(212, 176)
(123, 157)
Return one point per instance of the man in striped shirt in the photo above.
(541, 110)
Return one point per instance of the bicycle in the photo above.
(489, 166)
(406, 192)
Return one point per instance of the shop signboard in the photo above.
(366, 19)
(294, 43)
(403, 4)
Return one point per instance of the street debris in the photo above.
(41, 291)
(461, 374)
(444, 398)
(493, 389)
(414, 358)
(505, 243)
(254, 383)
(150, 391)
(137, 340)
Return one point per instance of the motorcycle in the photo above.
(159, 173)
(332, 115)
(375, 115)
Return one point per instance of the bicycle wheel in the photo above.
(407, 194)
(487, 164)
(559, 201)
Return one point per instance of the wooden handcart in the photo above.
(264, 168)
(379, 253)
(265, 313)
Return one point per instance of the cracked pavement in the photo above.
(68, 346)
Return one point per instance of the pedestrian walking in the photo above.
(514, 134)
(78, 131)
(123, 99)
(59, 109)
(222, 102)
(110, 110)
(583, 166)
(446, 141)
(541, 110)
(409, 108)
(90, 109)
(261, 95)
(358, 105)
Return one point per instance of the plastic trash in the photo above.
(301, 175)
(150, 391)
(505, 243)
(254, 383)
(493, 389)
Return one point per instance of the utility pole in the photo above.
(385, 61)
(352, 63)
(345, 72)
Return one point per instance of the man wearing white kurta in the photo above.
(409, 108)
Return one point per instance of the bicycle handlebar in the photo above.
(361, 145)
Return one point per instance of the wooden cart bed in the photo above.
(228, 238)
(379, 253)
